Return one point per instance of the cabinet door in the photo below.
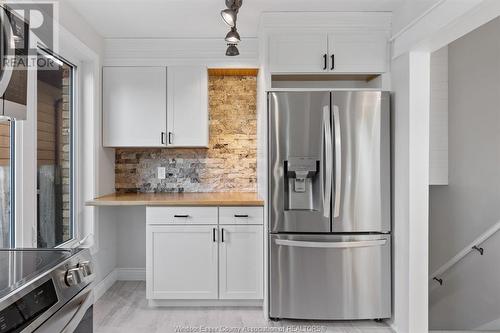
(298, 53)
(134, 106)
(357, 52)
(181, 262)
(241, 262)
(187, 106)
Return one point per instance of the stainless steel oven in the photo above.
(46, 290)
(75, 316)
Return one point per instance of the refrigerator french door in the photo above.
(329, 205)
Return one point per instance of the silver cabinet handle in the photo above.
(331, 245)
(338, 160)
(327, 192)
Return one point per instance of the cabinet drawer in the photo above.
(181, 215)
(241, 215)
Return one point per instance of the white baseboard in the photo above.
(131, 274)
(205, 302)
(118, 274)
(101, 287)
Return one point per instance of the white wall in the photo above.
(468, 206)
(131, 231)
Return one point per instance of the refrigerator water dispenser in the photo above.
(301, 182)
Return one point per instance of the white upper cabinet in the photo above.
(187, 106)
(350, 51)
(155, 106)
(134, 106)
(298, 52)
(357, 52)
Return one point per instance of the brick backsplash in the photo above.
(229, 163)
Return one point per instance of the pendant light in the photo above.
(232, 50)
(229, 15)
(233, 37)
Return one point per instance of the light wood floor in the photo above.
(124, 309)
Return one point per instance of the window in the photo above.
(54, 152)
(6, 188)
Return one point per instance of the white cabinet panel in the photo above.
(181, 262)
(298, 52)
(134, 106)
(187, 106)
(357, 52)
(181, 215)
(241, 262)
(241, 215)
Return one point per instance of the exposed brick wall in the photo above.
(230, 162)
(65, 151)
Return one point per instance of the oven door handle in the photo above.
(87, 300)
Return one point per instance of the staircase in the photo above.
(464, 293)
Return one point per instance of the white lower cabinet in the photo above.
(186, 260)
(181, 262)
(240, 262)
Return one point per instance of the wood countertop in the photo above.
(179, 199)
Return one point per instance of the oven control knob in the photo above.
(73, 277)
(86, 268)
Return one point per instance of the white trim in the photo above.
(118, 274)
(465, 251)
(418, 232)
(26, 170)
(101, 287)
(174, 51)
(205, 302)
(86, 110)
(139, 274)
(448, 18)
(131, 274)
(326, 20)
(416, 20)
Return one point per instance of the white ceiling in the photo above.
(198, 18)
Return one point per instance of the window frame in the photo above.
(12, 199)
(75, 230)
(24, 203)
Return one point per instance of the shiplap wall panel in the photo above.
(438, 159)
(46, 121)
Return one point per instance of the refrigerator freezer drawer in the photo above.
(330, 277)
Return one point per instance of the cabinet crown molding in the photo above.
(326, 20)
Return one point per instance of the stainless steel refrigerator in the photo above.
(329, 205)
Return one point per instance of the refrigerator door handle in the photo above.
(327, 189)
(331, 245)
(338, 160)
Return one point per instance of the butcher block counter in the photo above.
(179, 199)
